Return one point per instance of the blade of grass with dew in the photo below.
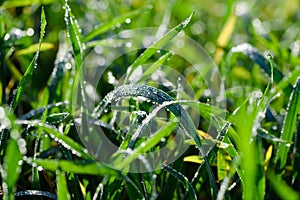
(62, 187)
(34, 193)
(160, 97)
(262, 61)
(289, 126)
(12, 166)
(112, 23)
(29, 71)
(89, 168)
(151, 142)
(33, 113)
(156, 46)
(12, 3)
(181, 178)
(66, 141)
(35, 173)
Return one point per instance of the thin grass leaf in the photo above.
(29, 71)
(262, 61)
(289, 126)
(89, 168)
(156, 46)
(181, 178)
(12, 167)
(282, 189)
(75, 36)
(13, 3)
(112, 23)
(62, 186)
(151, 142)
(34, 48)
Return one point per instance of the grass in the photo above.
(164, 120)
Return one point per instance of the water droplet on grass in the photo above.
(128, 21)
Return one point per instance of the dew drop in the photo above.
(128, 21)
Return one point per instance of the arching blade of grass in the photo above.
(62, 186)
(34, 48)
(262, 61)
(289, 126)
(66, 141)
(34, 193)
(112, 23)
(157, 46)
(181, 178)
(159, 97)
(29, 71)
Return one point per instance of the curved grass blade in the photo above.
(34, 48)
(160, 97)
(29, 71)
(33, 113)
(181, 178)
(35, 193)
(66, 141)
(262, 61)
(156, 46)
(289, 126)
(112, 23)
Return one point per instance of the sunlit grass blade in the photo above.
(157, 46)
(225, 36)
(34, 48)
(62, 187)
(12, 3)
(89, 168)
(181, 178)
(112, 23)
(29, 71)
(289, 127)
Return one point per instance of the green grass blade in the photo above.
(283, 190)
(181, 178)
(89, 168)
(62, 186)
(66, 141)
(156, 46)
(112, 23)
(262, 61)
(160, 97)
(75, 36)
(23, 194)
(13, 3)
(13, 157)
(29, 71)
(289, 126)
